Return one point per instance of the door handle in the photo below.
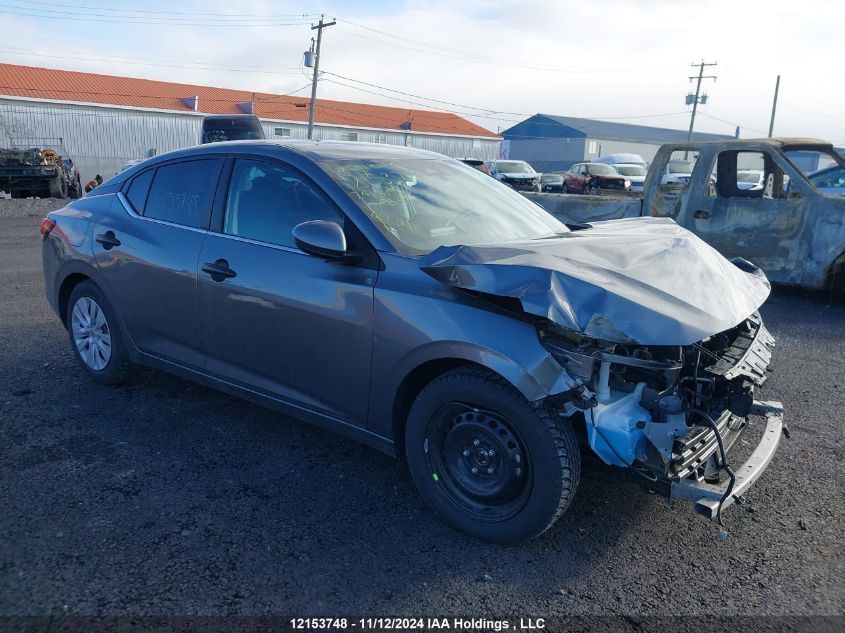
(108, 240)
(701, 214)
(219, 270)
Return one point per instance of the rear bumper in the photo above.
(706, 497)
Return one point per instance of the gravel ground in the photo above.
(164, 497)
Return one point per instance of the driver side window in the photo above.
(266, 201)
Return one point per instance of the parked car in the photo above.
(411, 302)
(552, 182)
(591, 177)
(516, 174)
(230, 127)
(635, 173)
(749, 179)
(829, 180)
(622, 159)
(676, 172)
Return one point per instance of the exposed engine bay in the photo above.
(653, 407)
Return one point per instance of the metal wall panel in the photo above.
(101, 140)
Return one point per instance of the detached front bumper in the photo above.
(706, 497)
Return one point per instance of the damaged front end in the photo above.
(628, 309)
(673, 413)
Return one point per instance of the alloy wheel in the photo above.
(91, 333)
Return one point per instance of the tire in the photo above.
(527, 462)
(111, 368)
(58, 188)
(564, 188)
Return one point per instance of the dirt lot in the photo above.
(162, 497)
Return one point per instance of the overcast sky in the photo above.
(504, 60)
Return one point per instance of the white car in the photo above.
(676, 172)
(749, 180)
(634, 172)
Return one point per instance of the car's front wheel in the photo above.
(95, 335)
(488, 461)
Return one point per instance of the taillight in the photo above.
(46, 226)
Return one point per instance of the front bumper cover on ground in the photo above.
(706, 497)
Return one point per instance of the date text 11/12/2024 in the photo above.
(416, 624)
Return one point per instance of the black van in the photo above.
(231, 127)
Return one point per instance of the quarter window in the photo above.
(138, 189)
(182, 192)
(266, 201)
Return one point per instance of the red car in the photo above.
(590, 177)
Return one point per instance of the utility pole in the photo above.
(319, 28)
(697, 99)
(774, 107)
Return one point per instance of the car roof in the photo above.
(314, 150)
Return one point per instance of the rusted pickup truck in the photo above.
(786, 226)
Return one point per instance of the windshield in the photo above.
(602, 170)
(680, 168)
(513, 167)
(420, 204)
(234, 129)
(630, 170)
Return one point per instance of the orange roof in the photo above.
(65, 85)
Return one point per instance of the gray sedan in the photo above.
(417, 305)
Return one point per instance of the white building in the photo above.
(103, 121)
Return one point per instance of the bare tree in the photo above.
(12, 128)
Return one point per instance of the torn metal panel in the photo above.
(636, 280)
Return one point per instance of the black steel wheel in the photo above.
(480, 459)
(488, 461)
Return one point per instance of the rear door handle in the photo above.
(701, 214)
(108, 240)
(219, 270)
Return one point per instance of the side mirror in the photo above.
(321, 238)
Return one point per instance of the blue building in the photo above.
(554, 143)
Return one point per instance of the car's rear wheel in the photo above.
(95, 335)
(488, 461)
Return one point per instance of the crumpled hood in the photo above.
(521, 176)
(636, 280)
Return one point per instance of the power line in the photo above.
(470, 58)
(226, 15)
(739, 125)
(482, 111)
(141, 61)
(459, 105)
(464, 55)
(69, 15)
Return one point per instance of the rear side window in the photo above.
(138, 189)
(182, 192)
